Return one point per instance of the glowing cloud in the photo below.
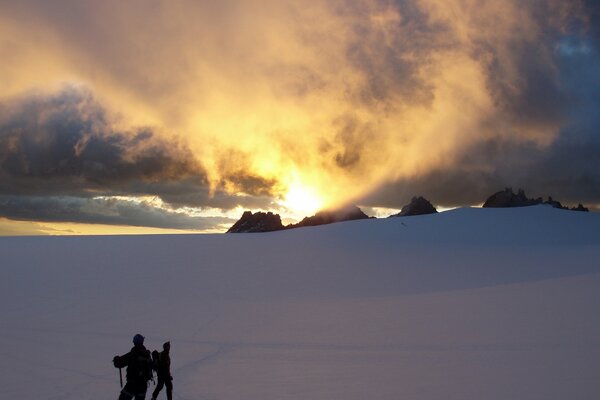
(312, 104)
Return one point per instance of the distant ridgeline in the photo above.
(507, 198)
(269, 222)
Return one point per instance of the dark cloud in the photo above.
(561, 95)
(234, 168)
(592, 27)
(59, 151)
(391, 52)
(219, 199)
(65, 143)
(102, 211)
(568, 171)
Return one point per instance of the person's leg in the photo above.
(126, 392)
(169, 386)
(125, 396)
(140, 394)
(159, 386)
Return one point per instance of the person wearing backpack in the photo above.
(162, 363)
(139, 370)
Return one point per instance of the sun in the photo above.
(302, 200)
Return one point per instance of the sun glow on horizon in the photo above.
(303, 200)
(189, 115)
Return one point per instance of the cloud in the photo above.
(567, 171)
(540, 132)
(109, 211)
(61, 151)
(66, 143)
(357, 101)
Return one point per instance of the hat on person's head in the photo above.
(138, 339)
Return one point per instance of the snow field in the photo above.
(466, 304)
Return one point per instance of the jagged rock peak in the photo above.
(507, 198)
(417, 206)
(257, 222)
(580, 207)
(330, 216)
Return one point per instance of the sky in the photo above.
(176, 116)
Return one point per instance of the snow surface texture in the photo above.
(466, 304)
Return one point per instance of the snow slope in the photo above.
(466, 304)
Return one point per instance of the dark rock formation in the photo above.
(555, 203)
(258, 222)
(329, 217)
(580, 208)
(268, 222)
(507, 198)
(417, 206)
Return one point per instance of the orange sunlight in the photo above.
(302, 200)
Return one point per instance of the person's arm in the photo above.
(121, 361)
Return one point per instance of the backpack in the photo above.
(147, 367)
(140, 366)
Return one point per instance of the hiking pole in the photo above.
(121, 377)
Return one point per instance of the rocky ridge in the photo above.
(417, 206)
(269, 222)
(507, 198)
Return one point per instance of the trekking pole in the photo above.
(121, 377)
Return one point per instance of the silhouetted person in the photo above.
(163, 372)
(139, 370)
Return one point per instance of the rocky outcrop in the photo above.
(257, 222)
(507, 198)
(268, 222)
(417, 206)
(557, 204)
(580, 208)
(329, 217)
